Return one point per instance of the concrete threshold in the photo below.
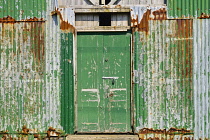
(102, 137)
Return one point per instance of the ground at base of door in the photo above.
(102, 137)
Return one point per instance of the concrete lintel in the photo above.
(102, 28)
(102, 137)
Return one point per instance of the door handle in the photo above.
(115, 78)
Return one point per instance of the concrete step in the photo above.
(102, 137)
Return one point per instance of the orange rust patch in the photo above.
(35, 19)
(52, 132)
(160, 14)
(10, 19)
(148, 15)
(163, 131)
(184, 30)
(149, 131)
(64, 25)
(144, 24)
(204, 16)
(7, 19)
(25, 130)
(185, 47)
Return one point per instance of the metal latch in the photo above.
(115, 78)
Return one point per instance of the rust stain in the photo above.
(144, 24)
(10, 19)
(171, 131)
(37, 47)
(34, 19)
(163, 134)
(149, 15)
(52, 132)
(149, 131)
(160, 14)
(204, 16)
(64, 25)
(25, 130)
(175, 130)
(7, 19)
(185, 33)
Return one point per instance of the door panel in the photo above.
(103, 82)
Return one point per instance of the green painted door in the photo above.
(103, 69)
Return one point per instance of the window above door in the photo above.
(102, 21)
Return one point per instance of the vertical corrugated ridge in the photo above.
(188, 9)
(164, 78)
(21, 10)
(67, 90)
(201, 78)
(22, 74)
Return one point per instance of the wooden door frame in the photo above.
(132, 103)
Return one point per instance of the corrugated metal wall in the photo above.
(171, 67)
(164, 75)
(22, 10)
(201, 69)
(36, 50)
(67, 3)
(22, 75)
(171, 75)
(188, 9)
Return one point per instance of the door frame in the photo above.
(132, 103)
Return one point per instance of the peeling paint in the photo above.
(140, 16)
(67, 19)
(164, 75)
(193, 9)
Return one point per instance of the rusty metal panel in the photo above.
(140, 16)
(72, 3)
(66, 19)
(171, 75)
(139, 2)
(201, 71)
(163, 70)
(22, 75)
(31, 73)
(22, 10)
(183, 9)
(60, 43)
(164, 75)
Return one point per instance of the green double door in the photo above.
(103, 83)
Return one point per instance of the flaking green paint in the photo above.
(103, 55)
(67, 83)
(188, 8)
(21, 9)
(163, 86)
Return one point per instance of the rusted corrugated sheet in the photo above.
(163, 73)
(183, 9)
(140, 16)
(66, 3)
(201, 69)
(31, 71)
(22, 10)
(171, 76)
(60, 42)
(22, 75)
(66, 19)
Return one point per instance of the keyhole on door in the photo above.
(113, 81)
(106, 60)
